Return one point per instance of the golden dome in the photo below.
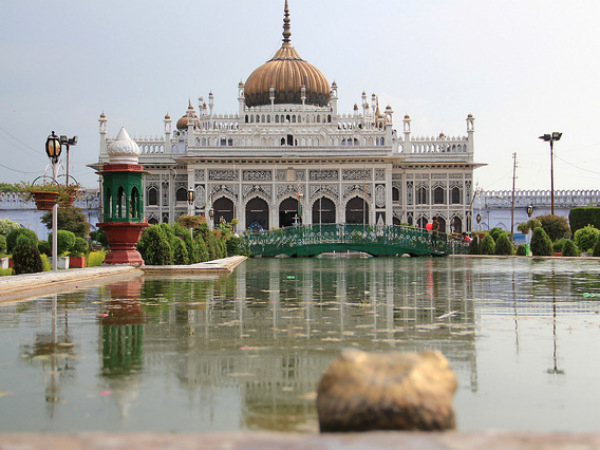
(189, 116)
(287, 73)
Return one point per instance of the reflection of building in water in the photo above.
(282, 323)
(122, 341)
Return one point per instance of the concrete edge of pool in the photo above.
(489, 440)
(43, 283)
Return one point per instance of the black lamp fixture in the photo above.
(191, 196)
(529, 211)
(478, 218)
(53, 148)
(555, 136)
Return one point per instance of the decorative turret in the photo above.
(123, 207)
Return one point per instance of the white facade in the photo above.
(276, 163)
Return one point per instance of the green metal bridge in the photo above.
(378, 240)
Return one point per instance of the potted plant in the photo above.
(78, 253)
(45, 195)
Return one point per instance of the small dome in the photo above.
(168, 117)
(286, 73)
(189, 117)
(123, 150)
(103, 116)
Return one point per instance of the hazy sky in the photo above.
(521, 67)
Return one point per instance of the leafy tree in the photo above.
(7, 225)
(556, 227)
(26, 256)
(503, 245)
(541, 245)
(155, 246)
(2, 244)
(586, 238)
(11, 238)
(201, 248)
(69, 218)
(570, 249)
(488, 246)
(187, 221)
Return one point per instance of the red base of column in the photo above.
(123, 237)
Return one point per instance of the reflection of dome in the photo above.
(123, 150)
(287, 74)
(190, 115)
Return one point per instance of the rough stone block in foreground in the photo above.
(389, 391)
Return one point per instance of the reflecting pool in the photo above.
(245, 352)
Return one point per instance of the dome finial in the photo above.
(286, 23)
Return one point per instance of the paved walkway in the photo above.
(488, 440)
(43, 283)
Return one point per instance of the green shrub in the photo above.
(65, 240)
(80, 247)
(236, 246)
(556, 227)
(586, 238)
(184, 234)
(95, 258)
(11, 238)
(522, 250)
(474, 246)
(596, 248)
(581, 217)
(503, 245)
(570, 249)
(496, 232)
(6, 272)
(488, 246)
(45, 248)
(26, 256)
(2, 244)
(558, 246)
(155, 246)
(46, 264)
(201, 248)
(541, 245)
(180, 253)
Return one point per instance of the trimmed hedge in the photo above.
(581, 217)
(541, 245)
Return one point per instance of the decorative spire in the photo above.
(286, 24)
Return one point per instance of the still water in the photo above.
(245, 352)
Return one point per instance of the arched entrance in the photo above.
(357, 211)
(323, 211)
(288, 213)
(257, 212)
(223, 210)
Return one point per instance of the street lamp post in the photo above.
(67, 142)
(191, 196)
(53, 149)
(555, 136)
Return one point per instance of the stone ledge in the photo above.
(488, 440)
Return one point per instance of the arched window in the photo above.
(181, 194)
(455, 196)
(438, 195)
(421, 195)
(395, 194)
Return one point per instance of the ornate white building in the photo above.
(288, 155)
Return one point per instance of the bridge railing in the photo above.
(407, 238)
